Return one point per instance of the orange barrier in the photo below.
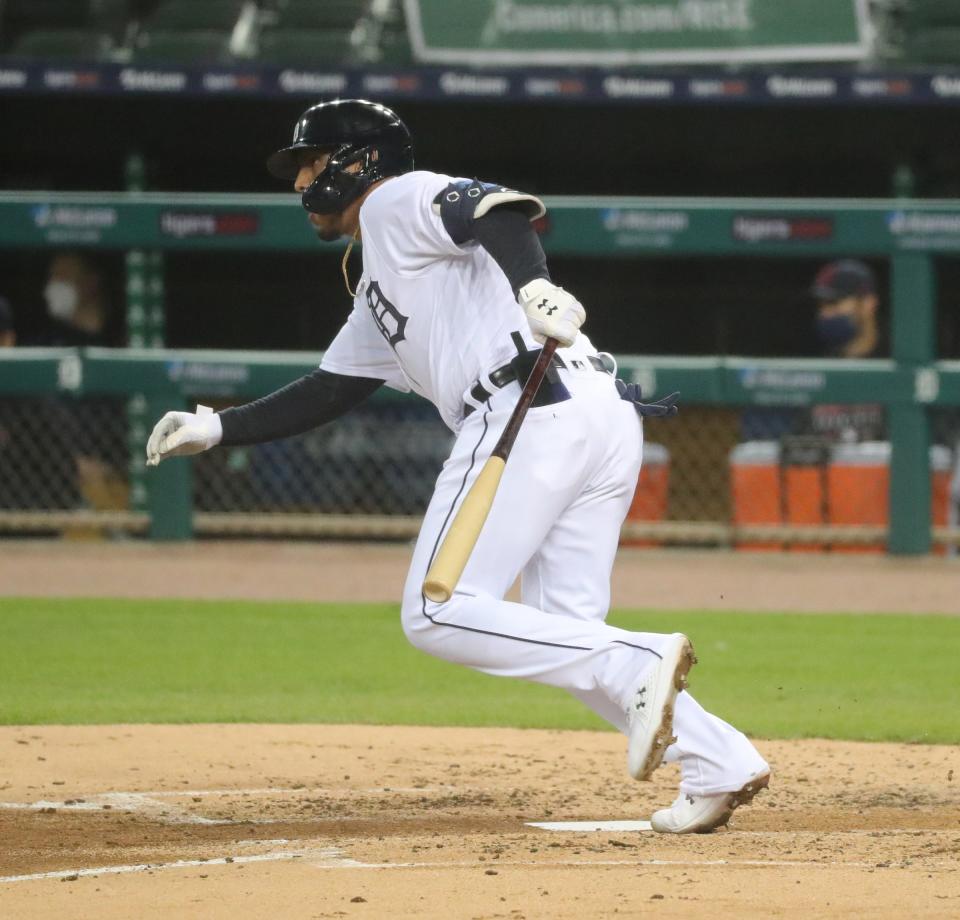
(653, 487)
(755, 487)
(852, 490)
(860, 487)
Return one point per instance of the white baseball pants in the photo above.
(556, 523)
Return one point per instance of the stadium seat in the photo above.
(77, 44)
(19, 18)
(50, 15)
(300, 46)
(923, 13)
(194, 16)
(316, 14)
(111, 16)
(394, 48)
(184, 47)
(933, 46)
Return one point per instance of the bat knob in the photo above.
(436, 591)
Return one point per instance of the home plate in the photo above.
(588, 826)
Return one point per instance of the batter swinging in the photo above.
(454, 297)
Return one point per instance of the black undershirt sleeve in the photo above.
(320, 397)
(507, 234)
(313, 400)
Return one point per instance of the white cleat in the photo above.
(701, 814)
(650, 716)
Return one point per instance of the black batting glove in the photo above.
(662, 408)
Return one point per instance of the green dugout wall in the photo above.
(908, 233)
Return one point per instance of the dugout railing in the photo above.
(913, 387)
(172, 505)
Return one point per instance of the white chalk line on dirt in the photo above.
(145, 803)
(300, 790)
(333, 858)
(592, 827)
(606, 863)
(121, 801)
(267, 790)
(636, 863)
(329, 853)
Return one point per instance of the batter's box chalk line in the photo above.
(328, 791)
(327, 857)
(332, 858)
(586, 827)
(150, 804)
(136, 802)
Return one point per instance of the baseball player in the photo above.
(452, 302)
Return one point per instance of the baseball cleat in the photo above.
(701, 814)
(650, 716)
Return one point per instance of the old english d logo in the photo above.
(390, 321)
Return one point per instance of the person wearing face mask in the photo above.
(78, 316)
(846, 295)
(846, 324)
(796, 441)
(76, 305)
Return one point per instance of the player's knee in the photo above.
(416, 617)
(416, 625)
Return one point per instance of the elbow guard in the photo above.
(460, 203)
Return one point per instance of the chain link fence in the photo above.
(370, 473)
(759, 478)
(945, 428)
(63, 465)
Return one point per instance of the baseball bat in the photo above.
(458, 544)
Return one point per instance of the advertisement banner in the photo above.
(573, 225)
(614, 32)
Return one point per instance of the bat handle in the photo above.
(512, 429)
(451, 559)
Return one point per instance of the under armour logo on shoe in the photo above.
(640, 703)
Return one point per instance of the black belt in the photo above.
(546, 396)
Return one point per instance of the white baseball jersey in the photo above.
(430, 315)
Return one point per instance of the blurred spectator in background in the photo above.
(846, 323)
(846, 295)
(8, 338)
(8, 335)
(79, 315)
(77, 305)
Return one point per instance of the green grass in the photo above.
(776, 676)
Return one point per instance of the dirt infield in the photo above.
(254, 821)
(347, 821)
(657, 579)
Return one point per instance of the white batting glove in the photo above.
(551, 311)
(179, 434)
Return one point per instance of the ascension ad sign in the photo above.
(618, 32)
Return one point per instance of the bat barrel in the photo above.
(450, 561)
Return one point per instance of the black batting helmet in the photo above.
(351, 131)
